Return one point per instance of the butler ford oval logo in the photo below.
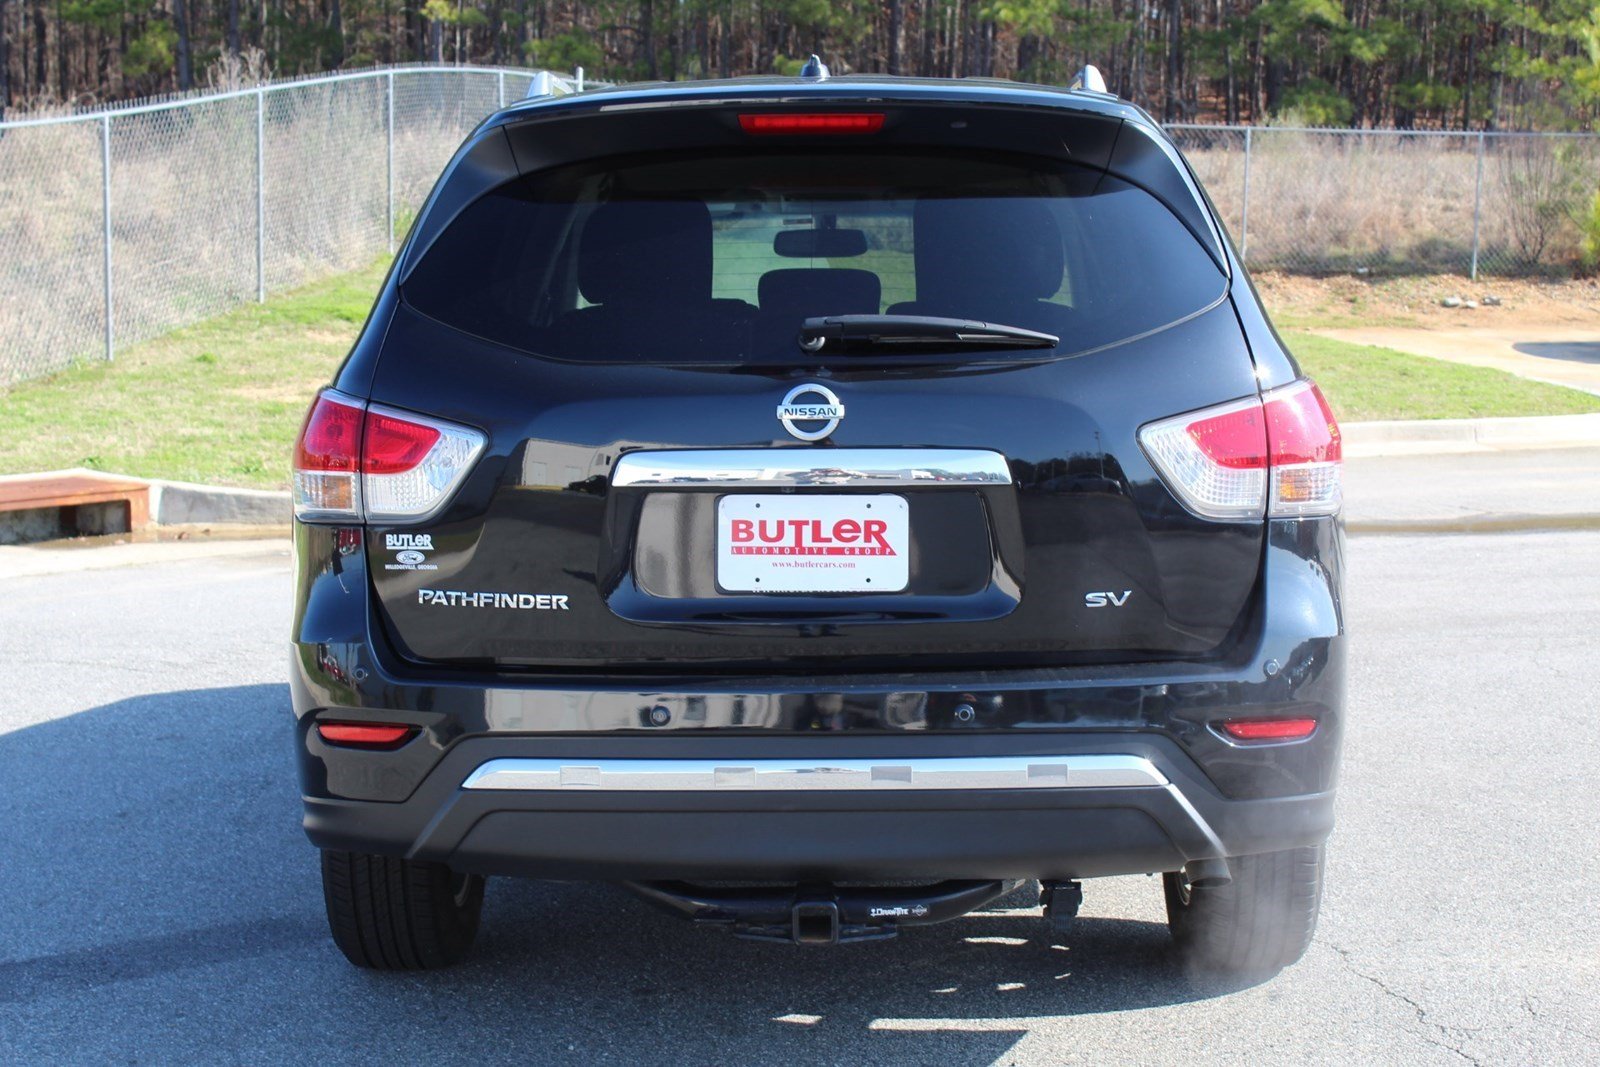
(809, 537)
(810, 412)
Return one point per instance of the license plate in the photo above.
(805, 543)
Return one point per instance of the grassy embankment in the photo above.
(221, 401)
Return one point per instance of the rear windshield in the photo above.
(721, 258)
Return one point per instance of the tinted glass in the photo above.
(681, 259)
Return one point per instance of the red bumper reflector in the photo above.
(362, 733)
(831, 122)
(1269, 729)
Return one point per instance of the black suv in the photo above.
(820, 505)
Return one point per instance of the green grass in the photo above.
(1365, 382)
(217, 402)
(220, 401)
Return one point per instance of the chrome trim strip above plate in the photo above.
(783, 775)
(765, 467)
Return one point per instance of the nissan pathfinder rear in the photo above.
(820, 505)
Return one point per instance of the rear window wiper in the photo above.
(845, 333)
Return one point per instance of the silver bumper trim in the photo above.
(779, 775)
(737, 467)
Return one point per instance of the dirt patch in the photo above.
(1351, 300)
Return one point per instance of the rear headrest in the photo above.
(807, 292)
(986, 251)
(655, 250)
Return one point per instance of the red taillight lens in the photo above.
(1301, 426)
(828, 122)
(1278, 455)
(331, 437)
(1236, 440)
(1268, 729)
(392, 445)
(367, 734)
(327, 462)
(1307, 454)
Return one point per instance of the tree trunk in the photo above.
(5, 61)
(41, 46)
(1172, 108)
(180, 23)
(336, 31)
(896, 34)
(647, 38)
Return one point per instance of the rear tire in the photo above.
(1257, 924)
(393, 914)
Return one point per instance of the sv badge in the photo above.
(1106, 600)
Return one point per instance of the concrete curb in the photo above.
(185, 503)
(1475, 524)
(1437, 436)
(191, 504)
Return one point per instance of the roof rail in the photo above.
(1089, 80)
(545, 83)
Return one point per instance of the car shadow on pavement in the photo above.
(1569, 351)
(158, 899)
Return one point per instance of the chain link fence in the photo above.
(119, 226)
(1397, 201)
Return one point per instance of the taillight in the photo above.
(1268, 729)
(834, 122)
(1277, 455)
(1307, 455)
(370, 463)
(327, 458)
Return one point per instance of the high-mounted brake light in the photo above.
(1268, 729)
(833, 122)
(370, 463)
(364, 734)
(1277, 455)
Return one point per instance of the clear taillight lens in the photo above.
(1277, 455)
(371, 463)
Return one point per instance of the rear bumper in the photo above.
(1118, 804)
(1213, 798)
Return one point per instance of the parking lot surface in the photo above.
(158, 902)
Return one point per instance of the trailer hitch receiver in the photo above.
(820, 914)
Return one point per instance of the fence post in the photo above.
(1244, 209)
(1477, 205)
(388, 166)
(105, 211)
(261, 195)
(502, 78)
(578, 77)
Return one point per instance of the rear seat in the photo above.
(646, 268)
(805, 292)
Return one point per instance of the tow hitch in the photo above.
(820, 914)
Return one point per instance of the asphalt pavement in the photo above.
(158, 903)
